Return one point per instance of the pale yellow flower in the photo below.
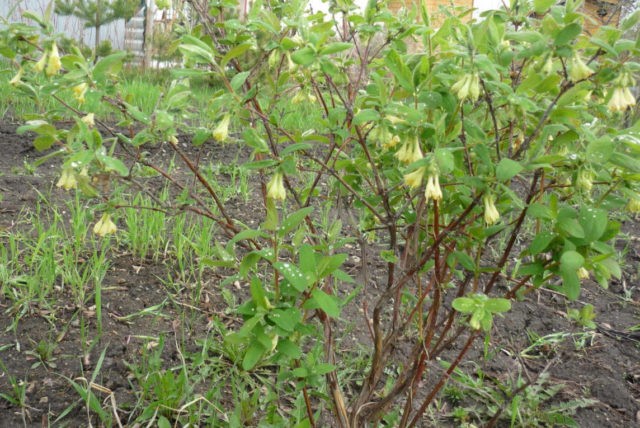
(578, 70)
(17, 78)
(298, 98)
(67, 180)
(621, 99)
(275, 188)
(105, 226)
(584, 180)
(547, 68)
(53, 65)
(410, 151)
(79, 92)
(467, 87)
(42, 62)
(634, 205)
(414, 179)
(391, 142)
(222, 130)
(583, 273)
(433, 191)
(89, 120)
(491, 214)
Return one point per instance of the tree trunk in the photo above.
(148, 34)
(98, 25)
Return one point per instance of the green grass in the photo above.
(140, 88)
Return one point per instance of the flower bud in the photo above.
(17, 78)
(222, 130)
(299, 98)
(79, 92)
(491, 214)
(275, 188)
(547, 68)
(105, 226)
(461, 87)
(67, 180)
(53, 65)
(414, 179)
(584, 180)
(433, 191)
(42, 62)
(89, 120)
(290, 64)
(634, 205)
(474, 87)
(578, 70)
(583, 273)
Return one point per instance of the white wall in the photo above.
(71, 26)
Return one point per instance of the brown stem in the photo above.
(443, 380)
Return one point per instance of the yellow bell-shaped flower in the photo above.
(275, 188)
(53, 65)
(105, 226)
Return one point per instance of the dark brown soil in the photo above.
(604, 367)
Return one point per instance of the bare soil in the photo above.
(605, 368)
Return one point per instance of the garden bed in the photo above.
(149, 325)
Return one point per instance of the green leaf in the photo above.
(465, 260)
(600, 150)
(248, 262)
(234, 53)
(541, 6)
(507, 169)
(567, 34)
(253, 355)
(594, 223)
(537, 210)
(43, 142)
(304, 56)
(571, 261)
(366, 115)
(445, 160)
(248, 234)
(541, 242)
(238, 80)
(329, 264)
(328, 304)
(293, 274)
(465, 305)
(258, 295)
(163, 422)
(293, 220)
(323, 368)
(261, 164)
(196, 49)
(571, 226)
(570, 284)
(625, 161)
(296, 147)
(288, 348)
(336, 47)
(286, 319)
(399, 69)
(108, 65)
(113, 164)
(497, 304)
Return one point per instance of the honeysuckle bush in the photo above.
(475, 161)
